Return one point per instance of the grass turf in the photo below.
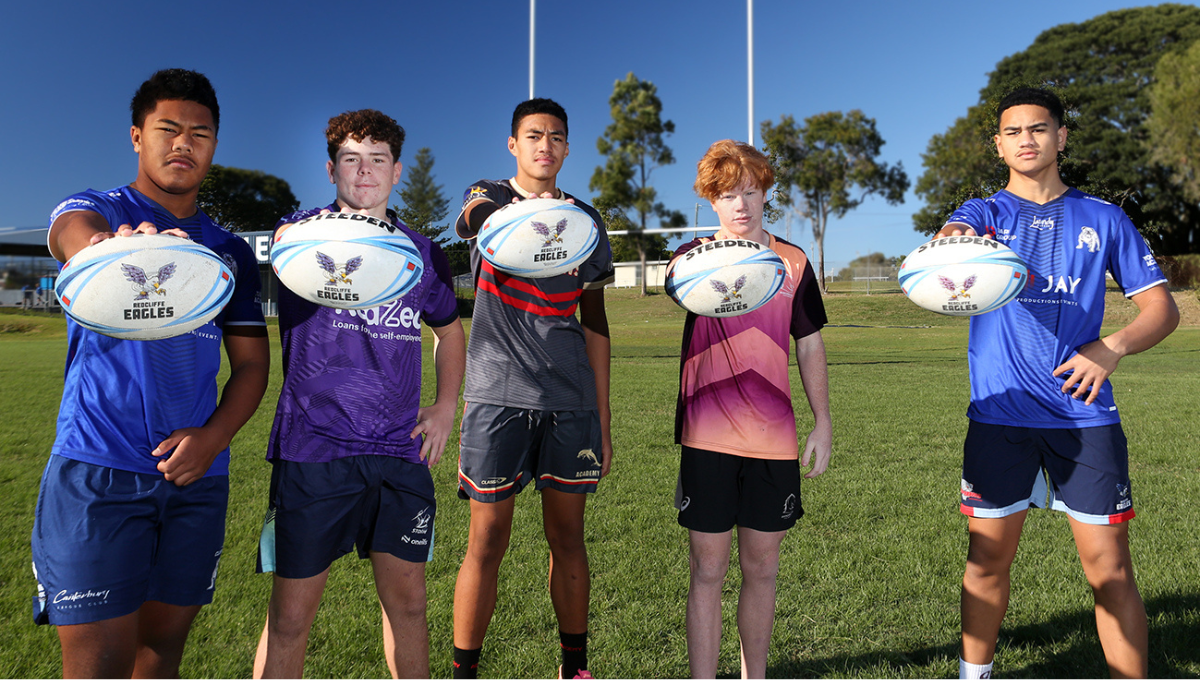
(868, 585)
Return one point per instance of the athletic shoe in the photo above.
(583, 674)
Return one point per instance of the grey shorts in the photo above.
(503, 448)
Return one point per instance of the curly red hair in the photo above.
(727, 165)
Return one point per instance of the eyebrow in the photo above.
(1017, 128)
(537, 131)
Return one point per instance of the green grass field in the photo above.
(869, 578)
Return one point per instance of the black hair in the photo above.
(174, 83)
(534, 107)
(1032, 96)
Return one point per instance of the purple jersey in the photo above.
(352, 377)
(1069, 244)
(121, 398)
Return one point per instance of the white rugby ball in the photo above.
(346, 260)
(538, 237)
(725, 277)
(144, 287)
(962, 275)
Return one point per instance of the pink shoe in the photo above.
(583, 674)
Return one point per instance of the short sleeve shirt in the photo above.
(1068, 244)
(352, 377)
(121, 398)
(735, 392)
(527, 347)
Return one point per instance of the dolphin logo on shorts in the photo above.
(588, 455)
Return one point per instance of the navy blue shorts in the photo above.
(321, 511)
(719, 490)
(1082, 471)
(105, 541)
(503, 448)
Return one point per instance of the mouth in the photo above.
(180, 162)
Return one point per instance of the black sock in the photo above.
(466, 662)
(574, 652)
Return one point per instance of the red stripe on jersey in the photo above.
(572, 482)
(524, 305)
(508, 281)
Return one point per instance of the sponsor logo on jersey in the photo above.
(492, 481)
(789, 506)
(392, 315)
(1059, 284)
(1088, 238)
(145, 286)
(968, 491)
(1042, 223)
(1149, 260)
(472, 194)
(212, 582)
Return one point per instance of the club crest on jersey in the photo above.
(338, 274)
(474, 193)
(421, 521)
(230, 262)
(1088, 238)
(589, 456)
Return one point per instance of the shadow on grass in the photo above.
(1174, 651)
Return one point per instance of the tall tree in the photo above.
(828, 167)
(1102, 69)
(634, 144)
(424, 203)
(245, 200)
(1175, 118)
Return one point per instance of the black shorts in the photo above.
(503, 448)
(321, 511)
(719, 490)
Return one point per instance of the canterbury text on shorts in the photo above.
(719, 490)
(1005, 470)
(503, 448)
(105, 541)
(321, 511)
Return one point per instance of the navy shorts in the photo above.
(1082, 471)
(719, 490)
(321, 511)
(503, 448)
(105, 541)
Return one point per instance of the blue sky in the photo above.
(451, 73)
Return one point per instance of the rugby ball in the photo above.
(346, 260)
(144, 287)
(725, 277)
(962, 275)
(538, 238)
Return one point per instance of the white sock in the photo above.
(974, 670)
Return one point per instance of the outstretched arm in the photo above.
(1090, 367)
(193, 449)
(437, 420)
(814, 372)
(594, 320)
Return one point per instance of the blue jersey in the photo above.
(121, 398)
(1069, 244)
(352, 377)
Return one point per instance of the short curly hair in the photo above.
(358, 125)
(728, 164)
(174, 84)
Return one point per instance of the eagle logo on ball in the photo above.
(338, 274)
(955, 291)
(726, 291)
(144, 284)
(544, 231)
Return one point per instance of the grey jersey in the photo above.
(527, 347)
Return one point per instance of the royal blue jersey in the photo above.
(352, 377)
(1068, 244)
(121, 398)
